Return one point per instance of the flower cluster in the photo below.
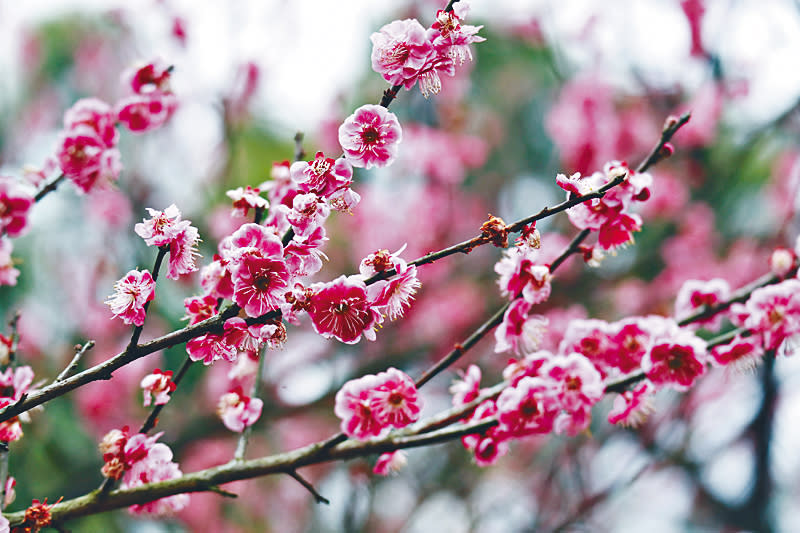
(610, 215)
(138, 459)
(547, 392)
(87, 151)
(404, 52)
(372, 404)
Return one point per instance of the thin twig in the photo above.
(48, 188)
(4, 451)
(319, 498)
(79, 353)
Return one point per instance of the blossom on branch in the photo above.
(676, 361)
(15, 201)
(519, 332)
(133, 291)
(246, 198)
(400, 52)
(391, 296)
(371, 404)
(322, 176)
(162, 227)
(342, 309)
(520, 275)
(370, 137)
(694, 295)
(772, 313)
(238, 411)
(157, 387)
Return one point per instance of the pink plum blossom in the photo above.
(370, 136)
(395, 401)
(214, 346)
(390, 463)
(632, 407)
(590, 337)
(209, 348)
(308, 212)
(468, 387)
(578, 383)
(157, 387)
(148, 77)
(694, 295)
(162, 227)
(453, 37)
(238, 411)
(14, 382)
(133, 291)
(772, 312)
(141, 113)
(520, 275)
(87, 152)
(676, 361)
(341, 309)
(529, 366)
(303, 254)
(394, 296)
(145, 472)
(152, 102)
(182, 253)
(15, 201)
(199, 308)
(96, 115)
(529, 407)
(401, 51)
(259, 284)
(741, 353)
(353, 406)
(215, 278)
(488, 447)
(322, 176)
(246, 198)
(391, 296)
(519, 332)
(371, 404)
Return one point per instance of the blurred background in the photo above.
(557, 87)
